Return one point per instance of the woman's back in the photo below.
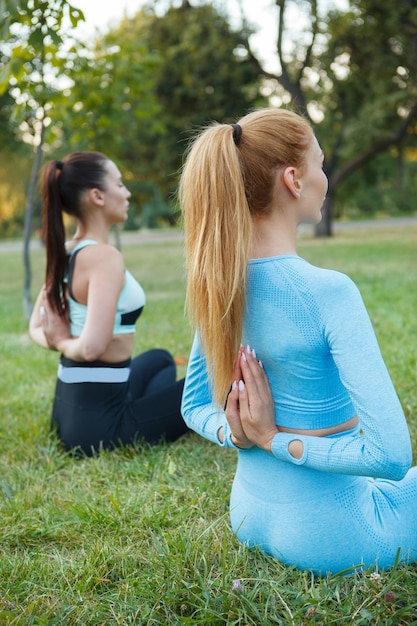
(288, 321)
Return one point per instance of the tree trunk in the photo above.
(400, 168)
(27, 300)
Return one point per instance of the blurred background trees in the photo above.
(139, 90)
(146, 85)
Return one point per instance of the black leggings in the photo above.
(105, 405)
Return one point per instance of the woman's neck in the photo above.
(101, 235)
(274, 235)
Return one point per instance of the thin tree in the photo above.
(35, 32)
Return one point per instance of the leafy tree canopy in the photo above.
(32, 53)
(352, 73)
(151, 81)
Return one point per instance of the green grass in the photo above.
(141, 535)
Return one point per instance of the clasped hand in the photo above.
(55, 327)
(250, 406)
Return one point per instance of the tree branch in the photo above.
(309, 50)
(377, 148)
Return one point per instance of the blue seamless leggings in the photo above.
(321, 521)
(104, 405)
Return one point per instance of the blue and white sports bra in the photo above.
(130, 304)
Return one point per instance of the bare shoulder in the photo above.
(100, 260)
(102, 253)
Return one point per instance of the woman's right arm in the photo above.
(199, 411)
(382, 448)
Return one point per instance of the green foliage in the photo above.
(206, 75)
(140, 90)
(31, 52)
(147, 84)
(369, 65)
(32, 66)
(111, 103)
(14, 172)
(111, 98)
(385, 186)
(142, 535)
(353, 73)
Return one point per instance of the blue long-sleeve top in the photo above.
(310, 328)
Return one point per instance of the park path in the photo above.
(175, 235)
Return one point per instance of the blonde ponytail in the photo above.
(217, 228)
(227, 178)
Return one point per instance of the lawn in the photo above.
(141, 535)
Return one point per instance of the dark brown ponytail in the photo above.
(63, 183)
(54, 237)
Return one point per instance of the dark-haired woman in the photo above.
(87, 311)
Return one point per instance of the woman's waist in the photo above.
(119, 348)
(326, 431)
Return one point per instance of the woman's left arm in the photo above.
(382, 449)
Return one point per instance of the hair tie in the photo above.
(237, 132)
(59, 165)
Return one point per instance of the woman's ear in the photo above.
(292, 180)
(96, 196)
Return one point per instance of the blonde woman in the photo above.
(309, 404)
